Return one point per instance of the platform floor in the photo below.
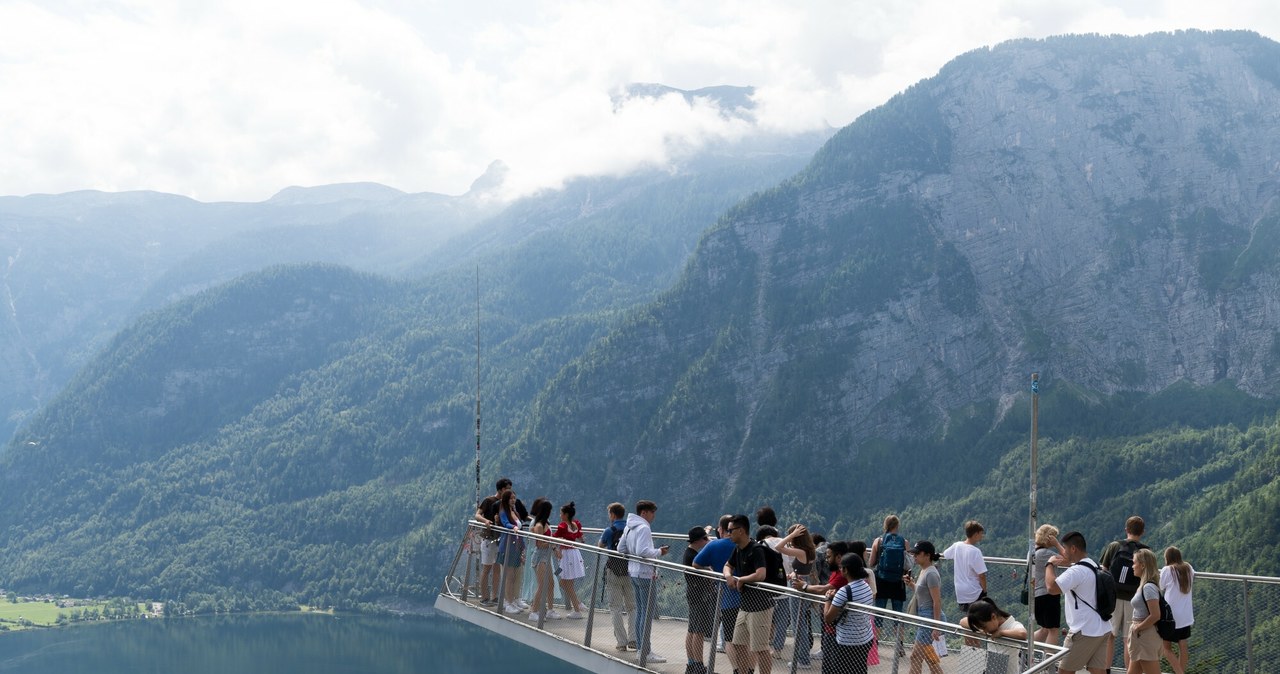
(668, 641)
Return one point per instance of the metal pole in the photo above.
(1031, 524)
(646, 629)
(477, 385)
(1248, 632)
(504, 551)
(715, 627)
(591, 605)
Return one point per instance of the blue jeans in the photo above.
(783, 608)
(643, 587)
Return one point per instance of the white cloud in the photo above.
(236, 99)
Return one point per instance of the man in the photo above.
(700, 593)
(1090, 634)
(754, 626)
(969, 567)
(1117, 558)
(713, 557)
(637, 541)
(622, 599)
(485, 512)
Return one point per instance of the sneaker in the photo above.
(574, 615)
(524, 605)
(631, 645)
(655, 658)
(533, 617)
(554, 615)
(620, 647)
(511, 608)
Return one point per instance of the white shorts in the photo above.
(488, 552)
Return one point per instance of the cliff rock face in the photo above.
(1100, 209)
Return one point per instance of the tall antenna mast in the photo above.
(477, 383)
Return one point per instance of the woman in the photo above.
(831, 556)
(510, 551)
(571, 566)
(799, 546)
(927, 586)
(853, 639)
(1144, 641)
(1048, 607)
(984, 616)
(542, 553)
(1175, 581)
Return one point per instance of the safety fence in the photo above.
(695, 623)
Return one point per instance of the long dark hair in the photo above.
(508, 502)
(983, 610)
(568, 510)
(804, 542)
(542, 512)
(853, 567)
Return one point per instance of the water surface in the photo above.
(272, 643)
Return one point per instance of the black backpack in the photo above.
(1121, 567)
(617, 565)
(774, 573)
(1104, 592)
(1166, 627)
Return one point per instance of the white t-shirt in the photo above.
(773, 542)
(968, 564)
(1179, 602)
(1080, 618)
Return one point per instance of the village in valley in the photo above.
(19, 612)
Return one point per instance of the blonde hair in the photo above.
(1150, 574)
(1046, 536)
(891, 523)
(1181, 569)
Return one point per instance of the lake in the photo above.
(272, 643)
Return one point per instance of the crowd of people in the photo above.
(1114, 600)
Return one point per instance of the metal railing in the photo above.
(688, 616)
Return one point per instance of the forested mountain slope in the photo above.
(1102, 210)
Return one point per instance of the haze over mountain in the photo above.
(854, 339)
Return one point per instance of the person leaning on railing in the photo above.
(833, 553)
(854, 637)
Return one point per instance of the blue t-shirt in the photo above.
(714, 555)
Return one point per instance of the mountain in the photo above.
(851, 340)
(81, 266)
(1101, 210)
(296, 431)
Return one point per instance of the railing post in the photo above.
(1248, 631)
(647, 628)
(715, 626)
(469, 543)
(504, 550)
(897, 646)
(591, 605)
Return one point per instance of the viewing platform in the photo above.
(590, 642)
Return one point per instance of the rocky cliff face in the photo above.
(1101, 210)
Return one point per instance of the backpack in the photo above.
(1121, 567)
(1104, 592)
(494, 532)
(1166, 627)
(775, 573)
(893, 554)
(617, 565)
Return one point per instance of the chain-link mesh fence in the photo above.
(667, 617)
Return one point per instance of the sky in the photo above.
(236, 99)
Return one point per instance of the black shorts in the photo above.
(728, 618)
(888, 588)
(1182, 634)
(1049, 611)
(701, 615)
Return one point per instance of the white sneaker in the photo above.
(554, 615)
(511, 608)
(654, 657)
(574, 615)
(534, 617)
(524, 605)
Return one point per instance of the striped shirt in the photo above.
(854, 628)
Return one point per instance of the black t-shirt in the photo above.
(489, 506)
(697, 588)
(745, 561)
